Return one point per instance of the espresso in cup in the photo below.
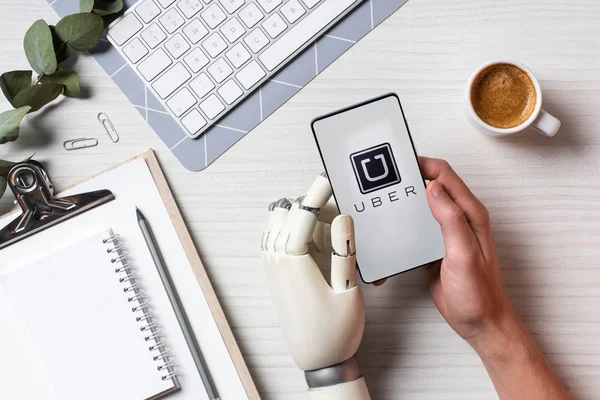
(503, 96)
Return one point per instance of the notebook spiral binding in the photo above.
(128, 278)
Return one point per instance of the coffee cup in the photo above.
(504, 97)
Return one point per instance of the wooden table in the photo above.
(543, 194)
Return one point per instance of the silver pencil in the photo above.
(182, 318)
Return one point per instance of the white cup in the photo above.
(539, 120)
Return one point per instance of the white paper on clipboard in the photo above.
(132, 185)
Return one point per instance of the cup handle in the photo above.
(546, 124)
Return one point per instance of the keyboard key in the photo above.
(171, 21)
(196, 60)
(292, 11)
(177, 45)
(303, 32)
(125, 29)
(202, 85)
(165, 3)
(310, 3)
(213, 16)
(256, 40)
(251, 15)
(135, 50)
(171, 80)
(274, 25)
(212, 106)
(193, 122)
(154, 64)
(195, 31)
(230, 91)
(147, 10)
(181, 102)
(269, 5)
(220, 70)
(214, 45)
(238, 55)
(201, 57)
(233, 30)
(250, 75)
(153, 36)
(231, 5)
(189, 8)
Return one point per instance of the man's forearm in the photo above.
(516, 365)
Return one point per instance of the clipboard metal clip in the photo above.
(40, 209)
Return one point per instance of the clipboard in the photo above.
(194, 259)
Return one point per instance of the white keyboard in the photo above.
(202, 57)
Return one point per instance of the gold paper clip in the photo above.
(109, 128)
(80, 143)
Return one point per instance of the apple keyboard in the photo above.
(203, 57)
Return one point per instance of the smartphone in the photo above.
(375, 175)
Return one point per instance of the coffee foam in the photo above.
(503, 96)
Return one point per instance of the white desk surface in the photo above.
(543, 194)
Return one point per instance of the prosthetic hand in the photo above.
(322, 324)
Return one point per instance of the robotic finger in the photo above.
(322, 234)
(278, 212)
(322, 237)
(265, 235)
(329, 212)
(343, 259)
(300, 225)
(319, 193)
(298, 229)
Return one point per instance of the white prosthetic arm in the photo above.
(322, 324)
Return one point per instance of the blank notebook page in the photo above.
(76, 314)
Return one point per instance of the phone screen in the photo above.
(374, 171)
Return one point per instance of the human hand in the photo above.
(466, 286)
(468, 290)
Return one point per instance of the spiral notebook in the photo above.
(72, 326)
(88, 324)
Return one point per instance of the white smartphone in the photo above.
(374, 171)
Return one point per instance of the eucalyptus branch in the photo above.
(46, 47)
(39, 78)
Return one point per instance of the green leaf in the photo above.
(39, 49)
(38, 96)
(6, 166)
(13, 82)
(86, 6)
(108, 7)
(61, 49)
(69, 79)
(2, 185)
(9, 124)
(81, 31)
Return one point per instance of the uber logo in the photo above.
(375, 168)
